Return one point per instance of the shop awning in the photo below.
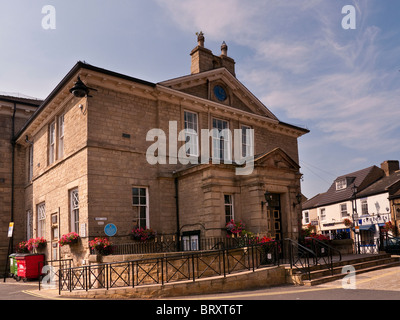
(368, 227)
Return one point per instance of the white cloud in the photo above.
(305, 66)
(214, 18)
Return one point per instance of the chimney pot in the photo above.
(224, 49)
(200, 38)
(390, 166)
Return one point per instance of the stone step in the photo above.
(351, 261)
(359, 265)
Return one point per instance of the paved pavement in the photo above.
(381, 284)
(374, 285)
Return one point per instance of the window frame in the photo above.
(52, 143)
(343, 210)
(193, 133)
(41, 219)
(139, 205)
(364, 206)
(229, 207)
(221, 145)
(341, 184)
(306, 217)
(322, 214)
(74, 204)
(60, 138)
(29, 224)
(247, 143)
(30, 163)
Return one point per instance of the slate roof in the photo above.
(362, 179)
(28, 101)
(389, 184)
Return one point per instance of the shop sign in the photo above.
(375, 219)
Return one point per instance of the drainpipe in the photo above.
(12, 141)
(13, 170)
(177, 213)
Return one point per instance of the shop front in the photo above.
(371, 229)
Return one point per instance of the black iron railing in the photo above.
(324, 253)
(49, 270)
(173, 244)
(195, 265)
(299, 256)
(178, 267)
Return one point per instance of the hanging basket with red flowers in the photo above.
(101, 246)
(143, 234)
(389, 226)
(348, 223)
(235, 229)
(68, 239)
(36, 243)
(22, 247)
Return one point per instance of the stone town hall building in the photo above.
(81, 161)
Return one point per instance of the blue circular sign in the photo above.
(110, 230)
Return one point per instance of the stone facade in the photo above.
(12, 208)
(98, 144)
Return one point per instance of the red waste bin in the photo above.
(29, 266)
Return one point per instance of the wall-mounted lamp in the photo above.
(80, 90)
(299, 197)
(268, 199)
(27, 140)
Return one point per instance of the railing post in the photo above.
(86, 278)
(59, 281)
(162, 270)
(133, 274)
(252, 255)
(277, 256)
(106, 266)
(223, 261)
(194, 276)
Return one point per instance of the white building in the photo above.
(361, 197)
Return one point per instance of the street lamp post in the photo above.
(355, 220)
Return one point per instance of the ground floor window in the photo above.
(74, 207)
(190, 241)
(29, 224)
(338, 234)
(41, 220)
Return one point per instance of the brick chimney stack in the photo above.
(390, 166)
(203, 59)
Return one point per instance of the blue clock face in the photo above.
(220, 93)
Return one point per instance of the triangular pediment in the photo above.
(277, 158)
(220, 86)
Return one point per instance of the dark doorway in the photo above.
(275, 216)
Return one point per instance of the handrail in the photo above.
(324, 244)
(301, 246)
(302, 265)
(319, 254)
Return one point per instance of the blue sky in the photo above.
(342, 84)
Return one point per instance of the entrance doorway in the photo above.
(275, 216)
